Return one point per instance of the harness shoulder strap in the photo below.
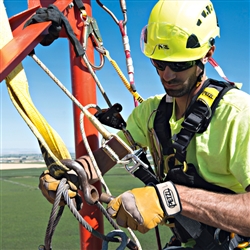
(199, 114)
(161, 125)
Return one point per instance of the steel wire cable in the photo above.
(105, 133)
(62, 191)
(105, 213)
(83, 222)
(55, 214)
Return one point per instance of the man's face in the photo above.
(178, 84)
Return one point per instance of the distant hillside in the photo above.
(24, 158)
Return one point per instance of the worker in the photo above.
(203, 192)
(179, 39)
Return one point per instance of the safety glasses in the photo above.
(174, 66)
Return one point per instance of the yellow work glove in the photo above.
(48, 185)
(144, 208)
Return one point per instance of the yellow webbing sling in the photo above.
(51, 144)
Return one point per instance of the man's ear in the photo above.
(209, 54)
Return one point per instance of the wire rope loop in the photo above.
(123, 239)
(55, 214)
(81, 220)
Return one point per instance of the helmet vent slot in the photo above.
(199, 22)
(193, 42)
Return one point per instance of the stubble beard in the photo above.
(186, 88)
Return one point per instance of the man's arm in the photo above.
(230, 212)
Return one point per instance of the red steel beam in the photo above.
(84, 89)
(24, 40)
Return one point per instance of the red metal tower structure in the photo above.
(83, 85)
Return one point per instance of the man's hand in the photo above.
(48, 185)
(144, 208)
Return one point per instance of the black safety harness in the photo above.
(196, 120)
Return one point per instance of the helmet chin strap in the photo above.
(216, 67)
(199, 78)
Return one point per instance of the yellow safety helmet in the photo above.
(180, 30)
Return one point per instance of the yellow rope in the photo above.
(123, 78)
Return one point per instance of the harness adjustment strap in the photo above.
(200, 234)
(146, 175)
(180, 144)
(195, 120)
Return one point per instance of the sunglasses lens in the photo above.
(180, 66)
(175, 66)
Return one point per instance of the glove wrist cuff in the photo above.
(169, 198)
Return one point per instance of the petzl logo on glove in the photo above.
(169, 198)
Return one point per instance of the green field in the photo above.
(25, 213)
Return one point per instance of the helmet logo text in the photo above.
(207, 11)
(163, 46)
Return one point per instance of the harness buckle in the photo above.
(137, 162)
(198, 117)
(140, 169)
(235, 240)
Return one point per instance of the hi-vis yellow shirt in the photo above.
(221, 154)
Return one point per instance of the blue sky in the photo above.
(232, 54)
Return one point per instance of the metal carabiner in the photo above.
(116, 233)
(91, 31)
(235, 242)
(242, 244)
